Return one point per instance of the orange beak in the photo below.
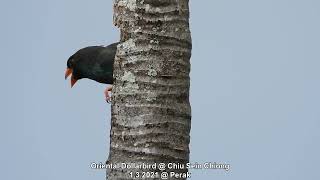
(67, 74)
(73, 81)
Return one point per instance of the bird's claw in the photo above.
(106, 93)
(108, 99)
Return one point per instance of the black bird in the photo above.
(93, 62)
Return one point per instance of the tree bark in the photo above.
(151, 114)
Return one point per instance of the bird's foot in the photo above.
(108, 99)
(106, 93)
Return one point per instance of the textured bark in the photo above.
(151, 114)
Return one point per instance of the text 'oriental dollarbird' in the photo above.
(93, 62)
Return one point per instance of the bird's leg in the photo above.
(106, 93)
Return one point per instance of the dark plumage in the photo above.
(93, 62)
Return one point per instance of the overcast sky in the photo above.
(254, 89)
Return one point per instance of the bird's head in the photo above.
(73, 70)
(92, 62)
(80, 64)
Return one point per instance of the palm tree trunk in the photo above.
(151, 114)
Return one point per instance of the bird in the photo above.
(95, 63)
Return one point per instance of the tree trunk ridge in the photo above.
(151, 113)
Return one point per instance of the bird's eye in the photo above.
(70, 63)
